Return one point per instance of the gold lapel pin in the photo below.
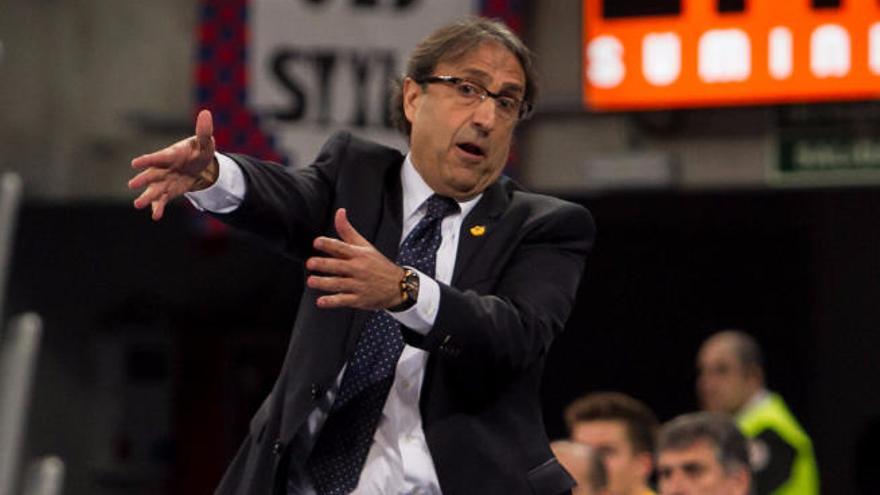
(478, 230)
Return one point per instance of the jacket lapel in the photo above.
(391, 224)
(387, 241)
(478, 226)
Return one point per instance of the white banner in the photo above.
(317, 66)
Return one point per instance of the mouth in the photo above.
(472, 150)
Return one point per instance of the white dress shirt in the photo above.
(399, 461)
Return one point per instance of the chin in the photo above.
(463, 187)
(460, 195)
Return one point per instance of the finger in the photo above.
(164, 158)
(337, 301)
(334, 247)
(204, 129)
(152, 193)
(146, 177)
(346, 230)
(177, 187)
(330, 266)
(331, 284)
(159, 207)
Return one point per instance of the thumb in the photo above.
(347, 231)
(204, 129)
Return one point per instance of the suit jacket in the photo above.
(511, 292)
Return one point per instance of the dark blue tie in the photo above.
(342, 446)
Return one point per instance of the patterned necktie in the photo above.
(342, 446)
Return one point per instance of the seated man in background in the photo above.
(702, 454)
(621, 429)
(584, 465)
(731, 380)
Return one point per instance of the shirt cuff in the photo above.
(420, 318)
(224, 195)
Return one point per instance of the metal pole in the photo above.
(45, 477)
(18, 358)
(10, 197)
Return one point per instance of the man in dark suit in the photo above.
(435, 287)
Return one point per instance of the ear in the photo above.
(741, 480)
(755, 374)
(646, 464)
(412, 93)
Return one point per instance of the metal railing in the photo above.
(45, 476)
(19, 350)
(18, 358)
(10, 197)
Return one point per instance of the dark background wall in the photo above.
(161, 339)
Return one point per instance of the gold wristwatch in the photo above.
(409, 290)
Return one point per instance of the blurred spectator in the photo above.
(584, 465)
(731, 380)
(702, 454)
(621, 430)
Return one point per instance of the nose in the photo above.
(673, 484)
(484, 114)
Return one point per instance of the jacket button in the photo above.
(316, 391)
(278, 447)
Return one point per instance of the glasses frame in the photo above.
(525, 108)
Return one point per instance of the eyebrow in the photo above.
(480, 76)
(693, 467)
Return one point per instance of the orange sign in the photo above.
(775, 51)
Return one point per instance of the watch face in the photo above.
(411, 284)
(409, 288)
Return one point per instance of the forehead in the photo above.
(717, 350)
(489, 62)
(700, 452)
(601, 432)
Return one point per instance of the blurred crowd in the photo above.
(743, 441)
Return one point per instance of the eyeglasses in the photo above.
(469, 92)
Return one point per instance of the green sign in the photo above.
(818, 155)
(836, 144)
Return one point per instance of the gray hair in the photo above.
(731, 448)
(454, 41)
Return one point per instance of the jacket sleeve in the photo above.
(289, 208)
(504, 327)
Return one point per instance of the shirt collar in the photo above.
(754, 400)
(416, 191)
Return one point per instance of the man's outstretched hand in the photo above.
(355, 274)
(184, 166)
